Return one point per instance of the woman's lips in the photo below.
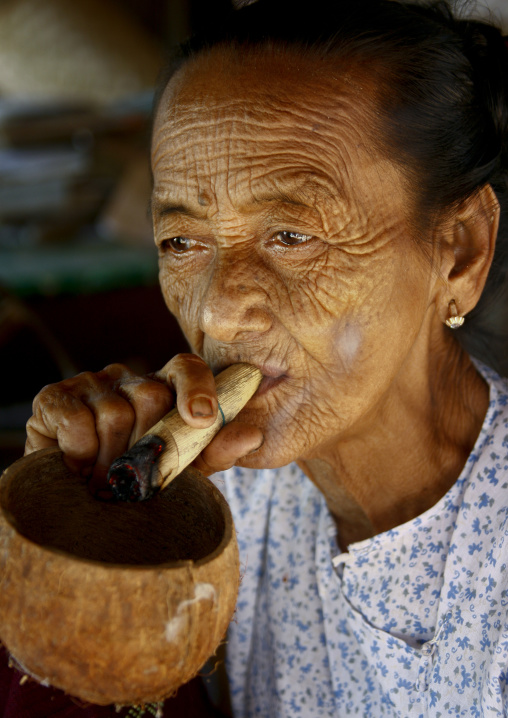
(272, 376)
(269, 382)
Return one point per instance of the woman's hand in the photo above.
(95, 417)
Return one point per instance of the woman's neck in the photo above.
(409, 454)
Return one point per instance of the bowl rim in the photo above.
(6, 517)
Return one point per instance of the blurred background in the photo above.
(78, 270)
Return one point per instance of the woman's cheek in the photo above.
(347, 345)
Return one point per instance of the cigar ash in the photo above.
(134, 476)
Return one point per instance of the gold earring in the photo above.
(455, 320)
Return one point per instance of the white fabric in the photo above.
(413, 622)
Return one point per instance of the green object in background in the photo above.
(76, 269)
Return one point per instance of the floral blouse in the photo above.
(412, 622)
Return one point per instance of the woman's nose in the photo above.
(234, 307)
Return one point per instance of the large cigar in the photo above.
(171, 445)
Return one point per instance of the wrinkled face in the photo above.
(284, 242)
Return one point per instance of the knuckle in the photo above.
(85, 378)
(88, 384)
(152, 396)
(51, 397)
(115, 415)
(74, 415)
(184, 361)
(46, 394)
(116, 371)
(82, 385)
(30, 428)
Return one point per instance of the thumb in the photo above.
(233, 442)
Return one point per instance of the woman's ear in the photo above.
(466, 245)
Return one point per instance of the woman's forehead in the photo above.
(245, 137)
(242, 121)
(304, 91)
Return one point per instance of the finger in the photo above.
(82, 415)
(151, 401)
(194, 385)
(62, 419)
(125, 406)
(232, 443)
(114, 423)
(38, 442)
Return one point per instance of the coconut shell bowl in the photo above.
(113, 603)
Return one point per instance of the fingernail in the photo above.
(200, 406)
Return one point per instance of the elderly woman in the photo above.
(327, 184)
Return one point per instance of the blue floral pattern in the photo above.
(413, 622)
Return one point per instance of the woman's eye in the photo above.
(177, 244)
(290, 239)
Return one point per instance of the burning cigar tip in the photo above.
(134, 476)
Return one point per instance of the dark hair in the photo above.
(443, 101)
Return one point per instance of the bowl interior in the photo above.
(52, 507)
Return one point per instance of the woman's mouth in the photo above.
(272, 375)
(270, 380)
